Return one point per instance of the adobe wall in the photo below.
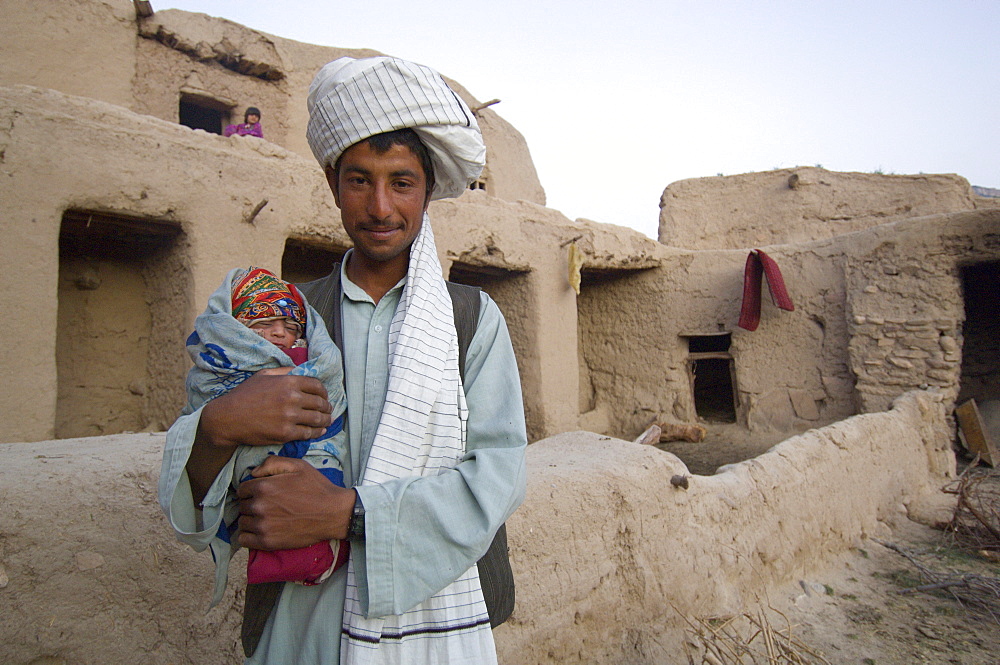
(799, 369)
(796, 205)
(81, 47)
(791, 373)
(65, 153)
(906, 303)
(877, 312)
(100, 49)
(606, 554)
(69, 153)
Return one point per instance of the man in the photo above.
(436, 459)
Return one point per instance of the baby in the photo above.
(256, 321)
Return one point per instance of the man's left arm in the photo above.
(422, 533)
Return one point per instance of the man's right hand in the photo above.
(269, 408)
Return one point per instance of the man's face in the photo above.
(382, 200)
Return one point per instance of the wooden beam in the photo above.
(143, 8)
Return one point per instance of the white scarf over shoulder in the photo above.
(422, 432)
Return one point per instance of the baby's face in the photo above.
(280, 332)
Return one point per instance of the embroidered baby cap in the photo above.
(353, 99)
(259, 295)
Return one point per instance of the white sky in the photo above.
(619, 99)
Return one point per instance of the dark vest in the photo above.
(495, 575)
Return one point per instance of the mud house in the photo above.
(122, 206)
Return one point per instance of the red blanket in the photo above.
(758, 265)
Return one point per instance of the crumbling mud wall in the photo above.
(790, 374)
(606, 553)
(798, 205)
(65, 155)
(623, 555)
(875, 315)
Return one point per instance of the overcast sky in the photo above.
(619, 99)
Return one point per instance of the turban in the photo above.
(351, 100)
(260, 296)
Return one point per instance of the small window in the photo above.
(478, 184)
(709, 343)
(203, 113)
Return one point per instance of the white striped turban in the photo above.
(351, 100)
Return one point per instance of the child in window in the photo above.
(249, 127)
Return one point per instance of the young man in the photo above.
(436, 455)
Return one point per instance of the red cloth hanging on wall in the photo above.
(758, 265)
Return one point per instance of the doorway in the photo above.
(712, 376)
(980, 378)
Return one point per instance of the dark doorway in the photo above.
(981, 333)
(711, 372)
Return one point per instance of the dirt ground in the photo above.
(725, 443)
(858, 612)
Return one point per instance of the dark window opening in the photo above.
(306, 259)
(709, 343)
(591, 277)
(100, 235)
(477, 184)
(203, 113)
(481, 276)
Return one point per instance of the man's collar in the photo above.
(352, 290)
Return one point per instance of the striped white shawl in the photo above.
(422, 432)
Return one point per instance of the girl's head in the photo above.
(271, 307)
(253, 112)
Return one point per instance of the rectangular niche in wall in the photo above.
(114, 272)
(713, 377)
(306, 258)
(200, 112)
